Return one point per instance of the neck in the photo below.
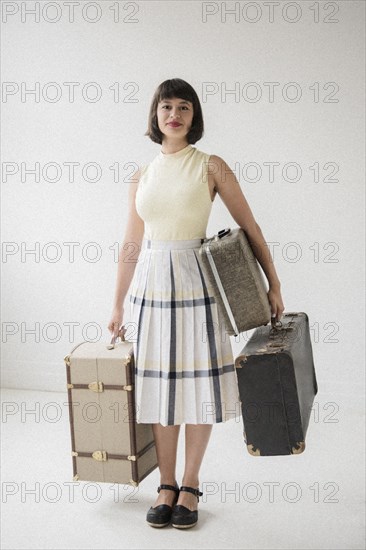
(168, 147)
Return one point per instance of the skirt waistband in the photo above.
(180, 244)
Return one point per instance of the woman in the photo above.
(184, 367)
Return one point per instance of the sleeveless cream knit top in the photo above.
(173, 198)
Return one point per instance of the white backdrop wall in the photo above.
(311, 55)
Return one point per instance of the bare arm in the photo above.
(230, 192)
(130, 247)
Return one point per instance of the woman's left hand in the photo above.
(276, 303)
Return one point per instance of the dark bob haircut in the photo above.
(176, 87)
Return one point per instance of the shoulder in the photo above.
(216, 160)
(217, 166)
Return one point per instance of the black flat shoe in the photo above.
(161, 514)
(183, 517)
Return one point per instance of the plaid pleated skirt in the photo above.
(184, 365)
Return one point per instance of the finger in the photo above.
(115, 328)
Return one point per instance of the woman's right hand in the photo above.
(115, 324)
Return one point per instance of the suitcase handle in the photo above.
(114, 338)
(276, 325)
(223, 232)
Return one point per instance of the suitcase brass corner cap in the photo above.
(300, 449)
(253, 452)
(240, 361)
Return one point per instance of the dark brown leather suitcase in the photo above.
(107, 444)
(277, 386)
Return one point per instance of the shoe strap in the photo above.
(196, 492)
(168, 487)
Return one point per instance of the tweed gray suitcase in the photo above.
(238, 282)
(107, 444)
(277, 386)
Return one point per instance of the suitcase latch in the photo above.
(96, 386)
(100, 455)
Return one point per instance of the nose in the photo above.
(174, 113)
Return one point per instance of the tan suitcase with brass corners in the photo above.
(107, 444)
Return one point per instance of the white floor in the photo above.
(312, 500)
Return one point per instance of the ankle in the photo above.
(189, 482)
(169, 481)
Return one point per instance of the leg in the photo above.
(166, 441)
(197, 438)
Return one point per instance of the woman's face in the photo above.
(175, 117)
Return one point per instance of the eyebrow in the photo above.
(169, 101)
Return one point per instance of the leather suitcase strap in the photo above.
(104, 455)
(98, 386)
